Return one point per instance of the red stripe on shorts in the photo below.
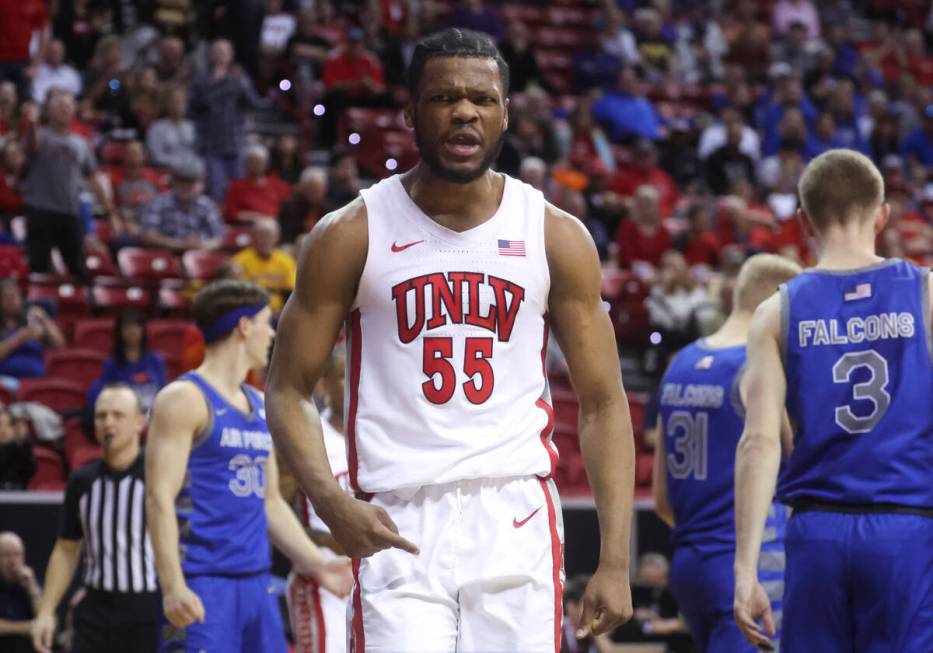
(357, 637)
(356, 354)
(319, 615)
(556, 556)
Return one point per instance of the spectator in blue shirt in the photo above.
(918, 146)
(131, 361)
(24, 335)
(824, 137)
(625, 112)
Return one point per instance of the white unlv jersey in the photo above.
(447, 336)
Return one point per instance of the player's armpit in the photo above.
(759, 451)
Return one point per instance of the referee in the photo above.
(104, 508)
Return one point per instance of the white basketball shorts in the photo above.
(318, 617)
(489, 578)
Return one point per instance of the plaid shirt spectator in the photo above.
(166, 216)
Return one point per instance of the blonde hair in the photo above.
(760, 277)
(840, 186)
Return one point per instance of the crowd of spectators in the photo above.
(676, 131)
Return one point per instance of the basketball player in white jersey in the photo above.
(318, 616)
(449, 277)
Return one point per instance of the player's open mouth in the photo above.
(462, 145)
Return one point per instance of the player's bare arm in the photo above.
(331, 263)
(584, 332)
(287, 535)
(662, 505)
(758, 458)
(178, 414)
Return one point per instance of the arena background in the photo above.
(674, 130)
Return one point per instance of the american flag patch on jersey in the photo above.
(511, 248)
(861, 291)
(704, 363)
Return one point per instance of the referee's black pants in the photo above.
(111, 622)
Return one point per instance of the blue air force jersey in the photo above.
(221, 507)
(857, 356)
(701, 422)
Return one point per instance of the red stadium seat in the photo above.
(98, 263)
(13, 262)
(75, 364)
(7, 397)
(644, 464)
(69, 298)
(75, 437)
(237, 237)
(95, 333)
(85, 454)
(148, 265)
(172, 302)
(168, 336)
(203, 264)
(112, 300)
(50, 470)
(60, 395)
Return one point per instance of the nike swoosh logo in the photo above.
(519, 524)
(221, 411)
(402, 248)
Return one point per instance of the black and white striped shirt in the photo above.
(106, 509)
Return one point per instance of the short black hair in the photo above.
(455, 42)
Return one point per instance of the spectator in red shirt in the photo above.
(352, 77)
(699, 244)
(20, 18)
(258, 194)
(642, 238)
(644, 171)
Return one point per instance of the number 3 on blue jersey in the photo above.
(874, 389)
(690, 445)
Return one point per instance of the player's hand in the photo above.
(335, 576)
(182, 607)
(607, 602)
(363, 529)
(751, 605)
(42, 630)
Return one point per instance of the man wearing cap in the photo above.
(212, 493)
(182, 217)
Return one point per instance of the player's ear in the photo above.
(409, 113)
(882, 216)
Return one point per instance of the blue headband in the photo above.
(229, 320)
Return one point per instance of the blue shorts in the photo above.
(704, 584)
(241, 616)
(859, 583)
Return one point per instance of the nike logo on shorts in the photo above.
(519, 524)
(401, 248)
